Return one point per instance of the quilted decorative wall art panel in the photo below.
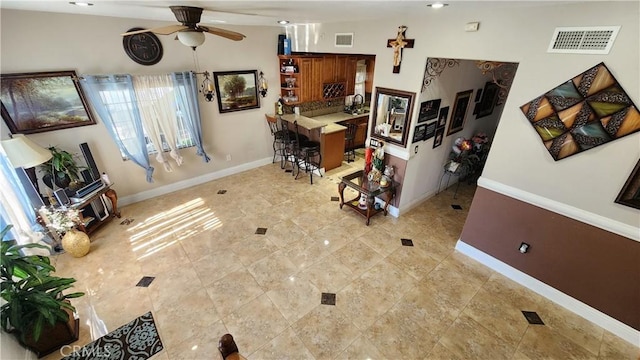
(589, 110)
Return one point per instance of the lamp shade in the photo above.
(24, 153)
(191, 38)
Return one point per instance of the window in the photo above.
(158, 109)
(120, 104)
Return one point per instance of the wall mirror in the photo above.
(392, 115)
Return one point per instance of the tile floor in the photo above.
(214, 275)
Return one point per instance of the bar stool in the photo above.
(280, 139)
(349, 138)
(306, 152)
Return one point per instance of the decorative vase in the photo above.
(76, 243)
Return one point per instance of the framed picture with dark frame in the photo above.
(459, 113)
(236, 90)
(431, 130)
(418, 133)
(630, 193)
(489, 99)
(442, 117)
(438, 138)
(428, 110)
(43, 101)
(478, 95)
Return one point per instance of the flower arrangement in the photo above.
(480, 138)
(60, 219)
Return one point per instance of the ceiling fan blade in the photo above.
(165, 30)
(231, 35)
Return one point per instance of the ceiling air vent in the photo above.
(583, 40)
(344, 40)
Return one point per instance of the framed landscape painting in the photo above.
(237, 90)
(43, 101)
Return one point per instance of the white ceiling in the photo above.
(263, 12)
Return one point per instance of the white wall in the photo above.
(93, 45)
(589, 181)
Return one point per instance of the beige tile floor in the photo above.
(214, 275)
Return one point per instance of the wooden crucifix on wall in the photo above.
(398, 44)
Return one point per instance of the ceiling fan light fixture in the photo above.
(191, 38)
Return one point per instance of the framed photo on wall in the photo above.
(418, 133)
(236, 90)
(43, 101)
(438, 138)
(442, 117)
(630, 193)
(459, 112)
(429, 110)
(431, 130)
(489, 99)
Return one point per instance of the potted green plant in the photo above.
(61, 169)
(36, 310)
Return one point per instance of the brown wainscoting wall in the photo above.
(399, 167)
(594, 266)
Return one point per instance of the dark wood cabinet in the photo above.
(314, 71)
(351, 63)
(316, 82)
(328, 69)
(341, 74)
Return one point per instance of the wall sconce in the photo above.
(262, 84)
(207, 87)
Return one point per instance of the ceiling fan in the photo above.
(190, 33)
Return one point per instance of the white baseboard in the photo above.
(416, 202)
(605, 223)
(162, 190)
(597, 317)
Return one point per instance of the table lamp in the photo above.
(24, 153)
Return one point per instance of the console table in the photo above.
(359, 182)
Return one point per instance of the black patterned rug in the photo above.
(137, 340)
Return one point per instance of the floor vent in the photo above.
(583, 40)
(344, 40)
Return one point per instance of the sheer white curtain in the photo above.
(156, 102)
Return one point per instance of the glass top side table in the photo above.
(370, 189)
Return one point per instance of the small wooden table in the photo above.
(359, 182)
